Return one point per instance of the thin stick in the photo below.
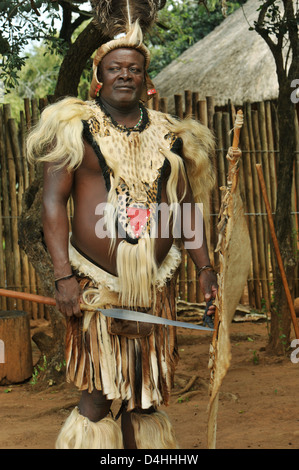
(188, 386)
(232, 173)
(36, 298)
(237, 129)
(277, 251)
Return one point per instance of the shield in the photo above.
(234, 249)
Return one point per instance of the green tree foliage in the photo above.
(38, 75)
(21, 22)
(37, 78)
(52, 22)
(182, 24)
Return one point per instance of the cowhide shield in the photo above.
(234, 249)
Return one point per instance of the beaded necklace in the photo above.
(121, 127)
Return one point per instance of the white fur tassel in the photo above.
(78, 432)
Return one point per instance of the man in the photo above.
(121, 163)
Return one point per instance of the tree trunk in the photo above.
(75, 60)
(32, 242)
(286, 30)
(280, 314)
(17, 365)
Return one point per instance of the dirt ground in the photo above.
(258, 406)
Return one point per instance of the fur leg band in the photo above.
(153, 431)
(78, 432)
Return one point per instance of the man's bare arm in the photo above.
(194, 238)
(56, 192)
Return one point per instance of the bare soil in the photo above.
(258, 407)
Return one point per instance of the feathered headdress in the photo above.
(118, 16)
(125, 22)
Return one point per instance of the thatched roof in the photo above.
(229, 63)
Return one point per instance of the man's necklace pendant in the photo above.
(128, 130)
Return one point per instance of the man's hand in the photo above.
(67, 297)
(209, 287)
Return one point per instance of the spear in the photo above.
(277, 251)
(237, 128)
(25, 296)
(41, 299)
(235, 259)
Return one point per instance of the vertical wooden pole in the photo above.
(9, 262)
(220, 181)
(3, 303)
(220, 154)
(202, 112)
(27, 269)
(211, 110)
(262, 244)
(188, 104)
(254, 284)
(11, 173)
(215, 197)
(277, 251)
(163, 105)
(31, 173)
(34, 120)
(191, 276)
(178, 103)
(201, 115)
(156, 101)
(270, 124)
(266, 166)
(23, 267)
(296, 172)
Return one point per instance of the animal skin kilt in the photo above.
(135, 366)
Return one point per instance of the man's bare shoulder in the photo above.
(90, 160)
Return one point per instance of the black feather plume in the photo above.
(116, 16)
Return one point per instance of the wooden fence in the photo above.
(259, 144)
(16, 272)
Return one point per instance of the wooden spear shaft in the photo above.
(25, 296)
(36, 298)
(277, 251)
(235, 143)
(237, 130)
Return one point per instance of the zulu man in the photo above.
(121, 163)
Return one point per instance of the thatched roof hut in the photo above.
(229, 63)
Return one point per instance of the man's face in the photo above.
(122, 75)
